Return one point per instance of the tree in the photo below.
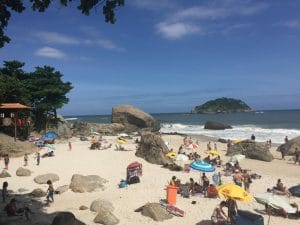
(85, 6)
(48, 93)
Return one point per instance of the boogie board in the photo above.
(172, 209)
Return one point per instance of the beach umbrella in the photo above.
(213, 152)
(202, 166)
(295, 190)
(234, 192)
(50, 135)
(237, 158)
(275, 201)
(171, 155)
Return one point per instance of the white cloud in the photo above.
(50, 53)
(208, 16)
(56, 38)
(290, 24)
(176, 30)
(104, 43)
(153, 5)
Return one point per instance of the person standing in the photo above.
(297, 154)
(6, 161)
(70, 146)
(253, 137)
(286, 139)
(282, 151)
(25, 159)
(50, 191)
(38, 158)
(4, 190)
(246, 180)
(232, 211)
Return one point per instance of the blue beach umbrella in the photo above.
(50, 135)
(202, 166)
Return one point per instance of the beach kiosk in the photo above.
(134, 171)
(11, 116)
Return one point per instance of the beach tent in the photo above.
(275, 201)
(295, 190)
(202, 166)
(50, 135)
(249, 218)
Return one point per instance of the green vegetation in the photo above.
(222, 105)
(42, 89)
(85, 6)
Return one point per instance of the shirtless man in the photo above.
(238, 178)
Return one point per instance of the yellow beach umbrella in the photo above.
(171, 155)
(234, 192)
(213, 152)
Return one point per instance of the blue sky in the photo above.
(167, 55)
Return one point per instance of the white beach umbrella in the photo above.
(275, 201)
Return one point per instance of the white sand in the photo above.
(111, 165)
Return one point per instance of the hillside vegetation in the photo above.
(222, 105)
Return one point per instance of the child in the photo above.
(38, 158)
(4, 190)
(50, 191)
(25, 160)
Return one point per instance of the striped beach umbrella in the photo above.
(202, 166)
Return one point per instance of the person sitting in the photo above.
(173, 181)
(11, 208)
(207, 159)
(218, 161)
(279, 189)
(212, 191)
(218, 217)
(192, 186)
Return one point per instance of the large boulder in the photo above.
(15, 148)
(155, 211)
(289, 148)
(215, 125)
(4, 174)
(42, 179)
(134, 119)
(80, 183)
(22, 172)
(101, 204)
(252, 150)
(153, 149)
(66, 218)
(106, 217)
(61, 127)
(38, 193)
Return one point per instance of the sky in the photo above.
(167, 55)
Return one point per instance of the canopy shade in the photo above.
(13, 106)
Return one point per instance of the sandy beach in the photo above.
(111, 165)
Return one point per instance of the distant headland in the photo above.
(222, 105)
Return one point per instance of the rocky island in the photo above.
(222, 105)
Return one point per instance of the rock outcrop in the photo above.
(83, 129)
(155, 211)
(252, 150)
(61, 189)
(215, 125)
(290, 147)
(22, 172)
(15, 148)
(80, 183)
(42, 179)
(106, 217)
(38, 193)
(66, 218)
(61, 127)
(4, 174)
(134, 119)
(101, 204)
(153, 149)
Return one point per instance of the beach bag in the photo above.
(133, 180)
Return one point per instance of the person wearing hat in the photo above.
(173, 181)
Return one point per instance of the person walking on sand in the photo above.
(70, 146)
(25, 159)
(38, 158)
(6, 161)
(246, 180)
(50, 192)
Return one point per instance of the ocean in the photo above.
(269, 124)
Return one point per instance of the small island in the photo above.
(222, 105)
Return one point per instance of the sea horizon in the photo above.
(264, 124)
